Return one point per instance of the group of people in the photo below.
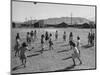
(56, 36)
(46, 39)
(21, 48)
(31, 36)
(91, 38)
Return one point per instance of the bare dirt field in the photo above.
(56, 59)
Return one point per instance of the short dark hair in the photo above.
(24, 44)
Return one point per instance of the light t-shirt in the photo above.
(76, 50)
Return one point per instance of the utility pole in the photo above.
(71, 18)
(31, 20)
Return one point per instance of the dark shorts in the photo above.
(16, 48)
(46, 38)
(22, 57)
(42, 41)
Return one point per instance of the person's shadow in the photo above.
(67, 58)
(63, 51)
(42, 50)
(33, 55)
(17, 67)
(66, 68)
(87, 46)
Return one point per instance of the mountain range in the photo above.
(75, 20)
(67, 20)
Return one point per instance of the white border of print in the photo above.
(5, 37)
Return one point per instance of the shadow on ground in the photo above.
(65, 69)
(87, 46)
(67, 58)
(63, 51)
(33, 55)
(42, 50)
(17, 67)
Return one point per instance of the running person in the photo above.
(76, 54)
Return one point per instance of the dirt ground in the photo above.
(56, 59)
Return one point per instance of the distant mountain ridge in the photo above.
(55, 21)
(75, 20)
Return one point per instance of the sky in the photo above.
(23, 11)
